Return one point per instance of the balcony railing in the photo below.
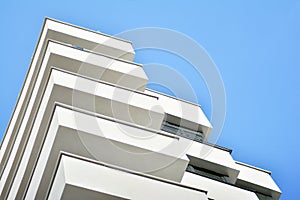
(183, 132)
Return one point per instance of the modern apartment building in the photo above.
(86, 127)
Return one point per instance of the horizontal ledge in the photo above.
(253, 167)
(172, 97)
(217, 146)
(101, 81)
(112, 119)
(93, 52)
(86, 29)
(63, 153)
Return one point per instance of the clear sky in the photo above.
(255, 45)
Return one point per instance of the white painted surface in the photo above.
(116, 183)
(192, 115)
(258, 180)
(256, 176)
(214, 159)
(62, 86)
(135, 109)
(217, 190)
(104, 140)
(88, 39)
(66, 33)
(99, 67)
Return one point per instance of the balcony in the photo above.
(86, 39)
(90, 95)
(258, 180)
(97, 66)
(216, 189)
(73, 184)
(99, 138)
(63, 33)
(183, 114)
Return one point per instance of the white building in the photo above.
(85, 127)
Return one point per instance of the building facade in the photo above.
(86, 127)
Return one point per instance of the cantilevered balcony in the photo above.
(94, 96)
(258, 180)
(70, 183)
(217, 189)
(87, 39)
(63, 33)
(183, 114)
(99, 138)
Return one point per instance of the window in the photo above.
(181, 131)
(207, 173)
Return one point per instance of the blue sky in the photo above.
(255, 44)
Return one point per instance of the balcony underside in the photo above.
(115, 183)
(103, 140)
